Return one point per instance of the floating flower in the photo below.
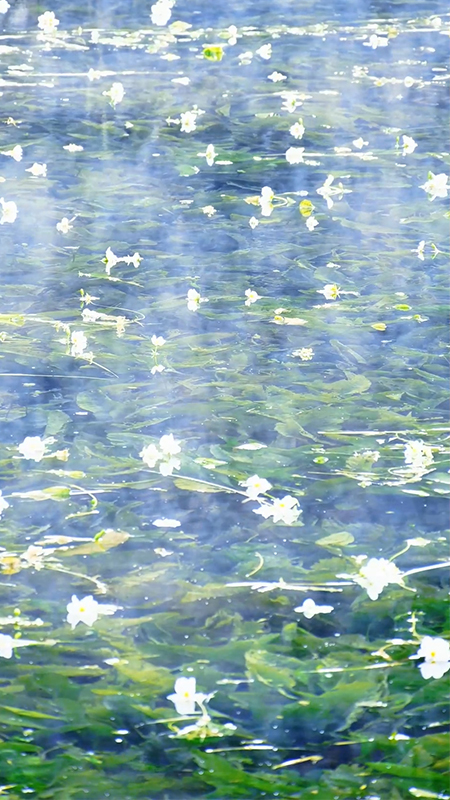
(9, 211)
(150, 455)
(78, 344)
(188, 121)
(255, 486)
(157, 341)
(305, 353)
(116, 93)
(436, 652)
(420, 250)
(157, 368)
(294, 155)
(290, 102)
(3, 504)
(436, 185)
(161, 12)
(409, 145)
(297, 129)
(169, 449)
(48, 23)
(418, 456)
(210, 154)
(265, 201)
(194, 299)
(330, 291)
(276, 77)
(6, 645)
(251, 296)
(4, 5)
(359, 143)
(64, 226)
(75, 148)
(16, 153)
(311, 223)
(253, 222)
(285, 510)
(186, 696)
(376, 41)
(376, 574)
(32, 448)
(86, 610)
(309, 609)
(38, 170)
(209, 211)
(265, 51)
(327, 191)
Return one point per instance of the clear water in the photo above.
(333, 386)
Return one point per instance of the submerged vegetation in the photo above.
(225, 474)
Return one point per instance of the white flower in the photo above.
(376, 41)
(409, 145)
(167, 467)
(86, 610)
(276, 77)
(359, 143)
(309, 609)
(110, 260)
(75, 148)
(185, 696)
(34, 556)
(161, 12)
(93, 75)
(297, 129)
(38, 170)
(436, 652)
(251, 296)
(16, 153)
(330, 291)
(115, 93)
(209, 211)
(6, 645)
(150, 455)
(32, 448)
(157, 368)
(78, 342)
(285, 510)
(311, 223)
(253, 222)
(420, 250)
(265, 51)
(194, 299)
(188, 121)
(4, 5)
(210, 154)
(265, 201)
(157, 341)
(418, 456)
(327, 191)
(305, 353)
(294, 155)
(169, 446)
(9, 211)
(376, 574)
(232, 33)
(47, 22)
(290, 101)
(3, 504)
(64, 226)
(255, 486)
(436, 185)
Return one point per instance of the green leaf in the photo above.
(336, 539)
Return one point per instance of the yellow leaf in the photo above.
(379, 326)
(306, 208)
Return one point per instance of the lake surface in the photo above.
(224, 278)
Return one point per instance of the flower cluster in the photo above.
(418, 456)
(285, 510)
(166, 455)
(376, 574)
(116, 94)
(161, 12)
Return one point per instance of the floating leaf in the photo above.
(306, 208)
(336, 539)
(193, 485)
(213, 52)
